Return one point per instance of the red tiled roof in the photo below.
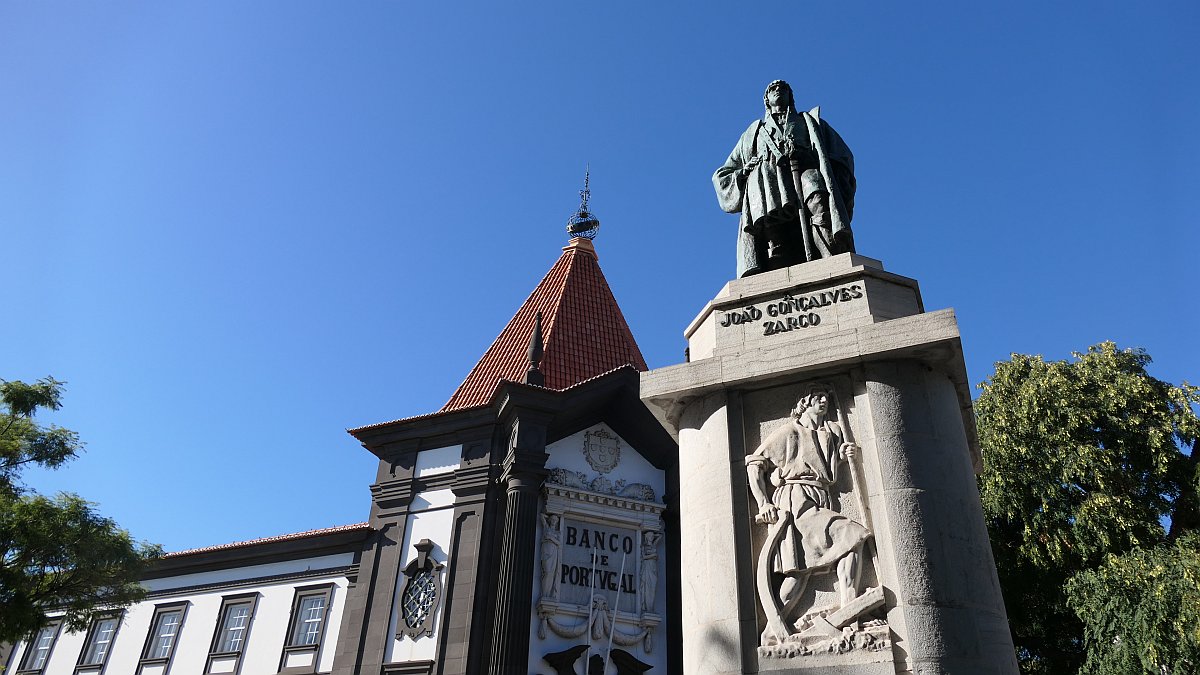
(266, 540)
(583, 331)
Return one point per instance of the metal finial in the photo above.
(583, 223)
(586, 192)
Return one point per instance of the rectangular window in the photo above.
(233, 631)
(99, 641)
(164, 632)
(38, 652)
(233, 627)
(306, 630)
(309, 619)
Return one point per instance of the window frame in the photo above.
(301, 593)
(89, 641)
(152, 637)
(227, 602)
(23, 666)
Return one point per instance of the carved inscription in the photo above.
(599, 557)
(790, 312)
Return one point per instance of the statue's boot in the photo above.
(777, 250)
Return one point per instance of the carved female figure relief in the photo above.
(649, 573)
(551, 550)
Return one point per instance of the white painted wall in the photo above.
(250, 572)
(268, 626)
(437, 460)
(432, 518)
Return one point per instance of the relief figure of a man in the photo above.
(791, 476)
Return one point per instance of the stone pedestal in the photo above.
(927, 598)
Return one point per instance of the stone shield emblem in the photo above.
(602, 450)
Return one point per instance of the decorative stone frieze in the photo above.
(599, 559)
(566, 479)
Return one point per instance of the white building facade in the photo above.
(266, 606)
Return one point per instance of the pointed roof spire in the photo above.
(534, 375)
(568, 330)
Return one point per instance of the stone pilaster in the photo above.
(363, 636)
(524, 472)
(464, 634)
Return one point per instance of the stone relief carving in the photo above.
(602, 450)
(792, 475)
(593, 545)
(648, 581)
(599, 625)
(601, 484)
(550, 554)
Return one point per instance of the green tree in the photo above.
(56, 554)
(1084, 462)
(1141, 610)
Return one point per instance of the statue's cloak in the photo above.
(769, 189)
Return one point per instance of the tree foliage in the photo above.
(56, 554)
(1084, 462)
(1141, 610)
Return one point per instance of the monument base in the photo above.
(829, 512)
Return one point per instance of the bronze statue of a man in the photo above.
(792, 178)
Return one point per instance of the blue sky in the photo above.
(238, 228)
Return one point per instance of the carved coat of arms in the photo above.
(602, 450)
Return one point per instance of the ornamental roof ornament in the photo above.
(584, 224)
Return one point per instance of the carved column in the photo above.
(524, 472)
(935, 540)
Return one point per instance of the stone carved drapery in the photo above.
(618, 506)
(600, 625)
(792, 475)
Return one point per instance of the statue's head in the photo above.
(814, 400)
(779, 93)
